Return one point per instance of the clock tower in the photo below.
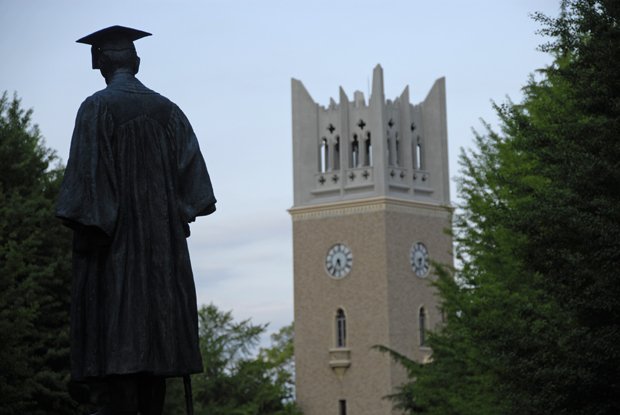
(371, 207)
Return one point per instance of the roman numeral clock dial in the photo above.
(419, 259)
(339, 261)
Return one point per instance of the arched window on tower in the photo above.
(419, 160)
(336, 158)
(414, 153)
(323, 156)
(341, 328)
(397, 146)
(354, 161)
(390, 155)
(367, 150)
(422, 323)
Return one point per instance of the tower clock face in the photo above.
(339, 261)
(419, 259)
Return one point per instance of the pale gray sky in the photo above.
(228, 65)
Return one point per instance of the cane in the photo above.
(187, 384)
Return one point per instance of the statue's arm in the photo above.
(195, 192)
(87, 198)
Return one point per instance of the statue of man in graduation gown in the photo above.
(134, 181)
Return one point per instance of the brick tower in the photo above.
(371, 206)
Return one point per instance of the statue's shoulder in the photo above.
(91, 103)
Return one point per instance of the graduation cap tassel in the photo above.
(189, 405)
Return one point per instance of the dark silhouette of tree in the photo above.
(35, 276)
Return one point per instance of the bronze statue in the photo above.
(134, 181)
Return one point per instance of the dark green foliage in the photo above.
(459, 380)
(533, 315)
(236, 381)
(35, 272)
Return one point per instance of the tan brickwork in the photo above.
(380, 296)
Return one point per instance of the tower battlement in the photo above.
(353, 149)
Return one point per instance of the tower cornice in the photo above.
(375, 204)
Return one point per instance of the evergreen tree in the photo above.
(533, 321)
(237, 380)
(34, 272)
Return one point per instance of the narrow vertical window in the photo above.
(368, 150)
(324, 156)
(397, 155)
(341, 329)
(422, 322)
(342, 407)
(418, 155)
(355, 152)
(390, 155)
(336, 158)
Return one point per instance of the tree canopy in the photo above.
(533, 312)
(239, 379)
(35, 260)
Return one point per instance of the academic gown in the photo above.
(134, 180)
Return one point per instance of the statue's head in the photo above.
(112, 49)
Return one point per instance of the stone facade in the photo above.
(378, 200)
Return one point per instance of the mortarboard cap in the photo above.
(114, 38)
(113, 34)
